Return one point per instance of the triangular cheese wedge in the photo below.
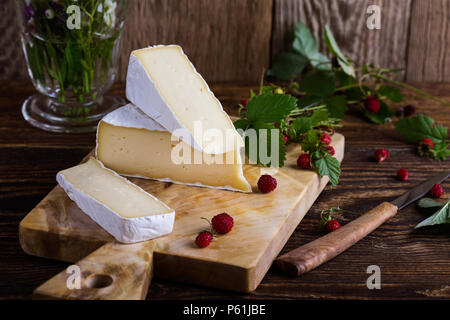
(132, 144)
(126, 211)
(165, 85)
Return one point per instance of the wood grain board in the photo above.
(238, 261)
(232, 40)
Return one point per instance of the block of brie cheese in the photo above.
(133, 144)
(165, 85)
(126, 211)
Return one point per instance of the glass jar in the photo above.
(71, 49)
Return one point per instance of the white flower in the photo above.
(109, 12)
(49, 14)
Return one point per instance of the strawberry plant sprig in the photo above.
(336, 84)
(273, 108)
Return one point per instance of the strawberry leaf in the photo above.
(329, 166)
(442, 216)
(414, 129)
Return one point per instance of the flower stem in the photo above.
(406, 86)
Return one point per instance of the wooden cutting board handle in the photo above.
(313, 254)
(114, 271)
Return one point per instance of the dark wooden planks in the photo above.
(414, 264)
(428, 54)
(226, 40)
(347, 19)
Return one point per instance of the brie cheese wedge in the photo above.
(165, 85)
(126, 211)
(133, 144)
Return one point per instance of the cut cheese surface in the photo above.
(165, 85)
(122, 208)
(133, 144)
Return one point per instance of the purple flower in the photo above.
(32, 29)
(61, 18)
(55, 5)
(29, 12)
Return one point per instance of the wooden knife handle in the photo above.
(313, 254)
(113, 272)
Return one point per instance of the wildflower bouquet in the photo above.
(71, 46)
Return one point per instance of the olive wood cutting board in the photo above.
(56, 228)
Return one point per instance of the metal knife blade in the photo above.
(419, 191)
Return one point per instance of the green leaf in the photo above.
(440, 151)
(300, 126)
(308, 101)
(319, 116)
(336, 51)
(270, 107)
(265, 89)
(414, 129)
(382, 116)
(391, 93)
(304, 41)
(337, 105)
(241, 124)
(287, 66)
(354, 94)
(442, 216)
(429, 203)
(261, 127)
(318, 83)
(320, 61)
(343, 79)
(329, 166)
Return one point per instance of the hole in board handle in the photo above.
(98, 281)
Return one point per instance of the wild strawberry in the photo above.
(244, 103)
(409, 110)
(332, 225)
(267, 183)
(285, 139)
(222, 223)
(331, 150)
(427, 143)
(303, 161)
(372, 104)
(437, 191)
(402, 174)
(325, 138)
(425, 146)
(203, 239)
(381, 155)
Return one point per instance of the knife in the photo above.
(313, 254)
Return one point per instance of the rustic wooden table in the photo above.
(414, 264)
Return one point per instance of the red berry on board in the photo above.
(303, 161)
(203, 239)
(244, 102)
(381, 155)
(402, 174)
(332, 225)
(325, 138)
(267, 183)
(437, 191)
(372, 104)
(222, 223)
(331, 150)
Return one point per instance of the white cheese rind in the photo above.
(129, 116)
(143, 92)
(125, 230)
